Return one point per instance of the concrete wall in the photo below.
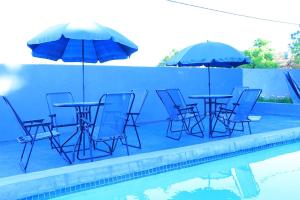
(271, 81)
(26, 87)
(267, 108)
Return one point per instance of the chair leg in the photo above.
(126, 144)
(113, 145)
(249, 128)
(23, 151)
(139, 145)
(197, 123)
(170, 130)
(110, 148)
(75, 133)
(200, 118)
(231, 130)
(91, 145)
(77, 148)
(24, 166)
(59, 149)
(225, 122)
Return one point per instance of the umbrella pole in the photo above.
(83, 86)
(209, 106)
(208, 80)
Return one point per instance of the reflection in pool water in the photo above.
(268, 174)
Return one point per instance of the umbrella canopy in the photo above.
(75, 42)
(209, 54)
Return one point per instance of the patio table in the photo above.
(83, 110)
(210, 100)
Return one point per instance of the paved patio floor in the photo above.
(152, 138)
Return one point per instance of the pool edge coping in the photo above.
(54, 182)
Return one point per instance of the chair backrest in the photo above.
(63, 116)
(111, 118)
(169, 103)
(17, 117)
(177, 97)
(140, 96)
(245, 104)
(236, 93)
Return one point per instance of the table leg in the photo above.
(210, 118)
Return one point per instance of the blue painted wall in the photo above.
(29, 84)
(271, 81)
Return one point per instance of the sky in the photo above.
(155, 26)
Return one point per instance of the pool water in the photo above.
(271, 174)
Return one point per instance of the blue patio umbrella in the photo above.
(209, 54)
(86, 43)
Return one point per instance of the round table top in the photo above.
(77, 104)
(212, 96)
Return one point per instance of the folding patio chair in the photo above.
(35, 130)
(179, 100)
(181, 114)
(140, 96)
(62, 117)
(108, 126)
(228, 105)
(240, 112)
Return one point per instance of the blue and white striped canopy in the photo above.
(65, 41)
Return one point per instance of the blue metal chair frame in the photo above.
(32, 133)
(239, 114)
(139, 100)
(179, 100)
(108, 126)
(227, 107)
(178, 112)
(55, 124)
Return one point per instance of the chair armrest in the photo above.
(33, 121)
(38, 124)
(225, 109)
(133, 113)
(191, 104)
(187, 108)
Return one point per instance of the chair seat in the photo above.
(187, 116)
(39, 136)
(106, 137)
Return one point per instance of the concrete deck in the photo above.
(48, 172)
(152, 138)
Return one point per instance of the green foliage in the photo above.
(295, 47)
(164, 61)
(283, 99)
(261, 55)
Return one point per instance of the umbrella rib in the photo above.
(65, 46)
(121, 46)
(96, 51)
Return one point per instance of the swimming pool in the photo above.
(268, 174)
